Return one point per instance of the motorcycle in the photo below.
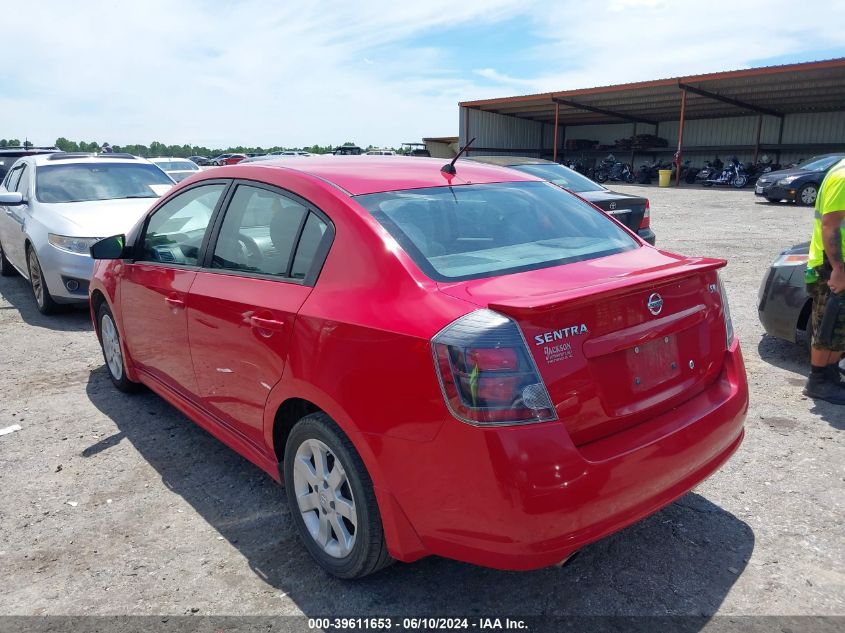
(710, 169)
(734, 175)
(612, 169)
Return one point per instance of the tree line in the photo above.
(182, 151)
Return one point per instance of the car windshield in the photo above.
(819, 163)
(175, 165)
(474, 231)
(81, 182)
(561, 176)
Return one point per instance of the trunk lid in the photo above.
(629, 210)
(617, 340)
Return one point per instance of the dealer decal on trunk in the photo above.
(559, 351)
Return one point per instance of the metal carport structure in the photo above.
(787, 109)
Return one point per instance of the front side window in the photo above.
(12, 179)
(474, 231)
(23, 181)
(259, 232)
(80, 182)
(176, 230)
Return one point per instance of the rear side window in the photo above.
(308, 245)
(474, 231)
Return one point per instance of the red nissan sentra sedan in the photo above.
(480, 366)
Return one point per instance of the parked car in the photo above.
(54, 206)
(632, 211)
(348, 150)
(202, 161)
(783, 305)
(381, 152)
(227, 159)
(8, 156)
(542, 377)
(798, 184)
(176, 168)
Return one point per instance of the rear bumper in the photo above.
(780, 301)
(647, 235)
(526, 497)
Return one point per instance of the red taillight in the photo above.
(646, 221)
(487, 373)
(493, 359)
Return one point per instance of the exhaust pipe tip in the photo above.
(568, 560)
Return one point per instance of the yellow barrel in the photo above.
(664, 176)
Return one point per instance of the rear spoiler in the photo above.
(608, 288)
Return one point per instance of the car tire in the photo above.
(43, 298)
(112, 351)
(316, 447)
(6, 268)
(807, 195)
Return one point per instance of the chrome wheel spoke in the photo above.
(346, 509)
(344, 538)
(309, 502)
(336, 477)
(320, 462)
(303, 467)
(324, 532)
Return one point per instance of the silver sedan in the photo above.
(54, 206)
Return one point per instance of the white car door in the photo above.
(10, 227)
(19, 215)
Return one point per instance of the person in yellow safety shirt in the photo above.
(826, 274)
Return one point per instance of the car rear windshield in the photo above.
(474, 231)
(81, 182)
(561, 176)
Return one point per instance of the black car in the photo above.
(8, 155)
(783, 304)
(798, 184)
(632, 211)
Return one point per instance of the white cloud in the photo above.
(262, 72)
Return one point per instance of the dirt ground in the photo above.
(116, 504)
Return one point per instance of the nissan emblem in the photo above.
(655, 303)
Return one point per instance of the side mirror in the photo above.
(11, 199)
(112, 247)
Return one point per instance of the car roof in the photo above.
(507, 161)
(359, 175)
(64, 158)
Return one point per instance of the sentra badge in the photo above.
(559, 335)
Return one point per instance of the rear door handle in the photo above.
(174, 302)
(262, 323)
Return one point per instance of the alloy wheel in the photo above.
(325, 499)
(111, 347)
(808, 195)
(35, 278)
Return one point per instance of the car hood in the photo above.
(794, 171)
(97, 218)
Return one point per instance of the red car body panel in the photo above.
(358, 346)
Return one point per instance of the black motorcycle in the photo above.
(612, 169)
(710, 170)
(734, 175)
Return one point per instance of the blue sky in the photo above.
(260, 72)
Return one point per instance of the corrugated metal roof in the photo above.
(793, 88)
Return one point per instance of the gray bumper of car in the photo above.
(781, 299)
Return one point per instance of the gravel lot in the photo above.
(115, 504)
